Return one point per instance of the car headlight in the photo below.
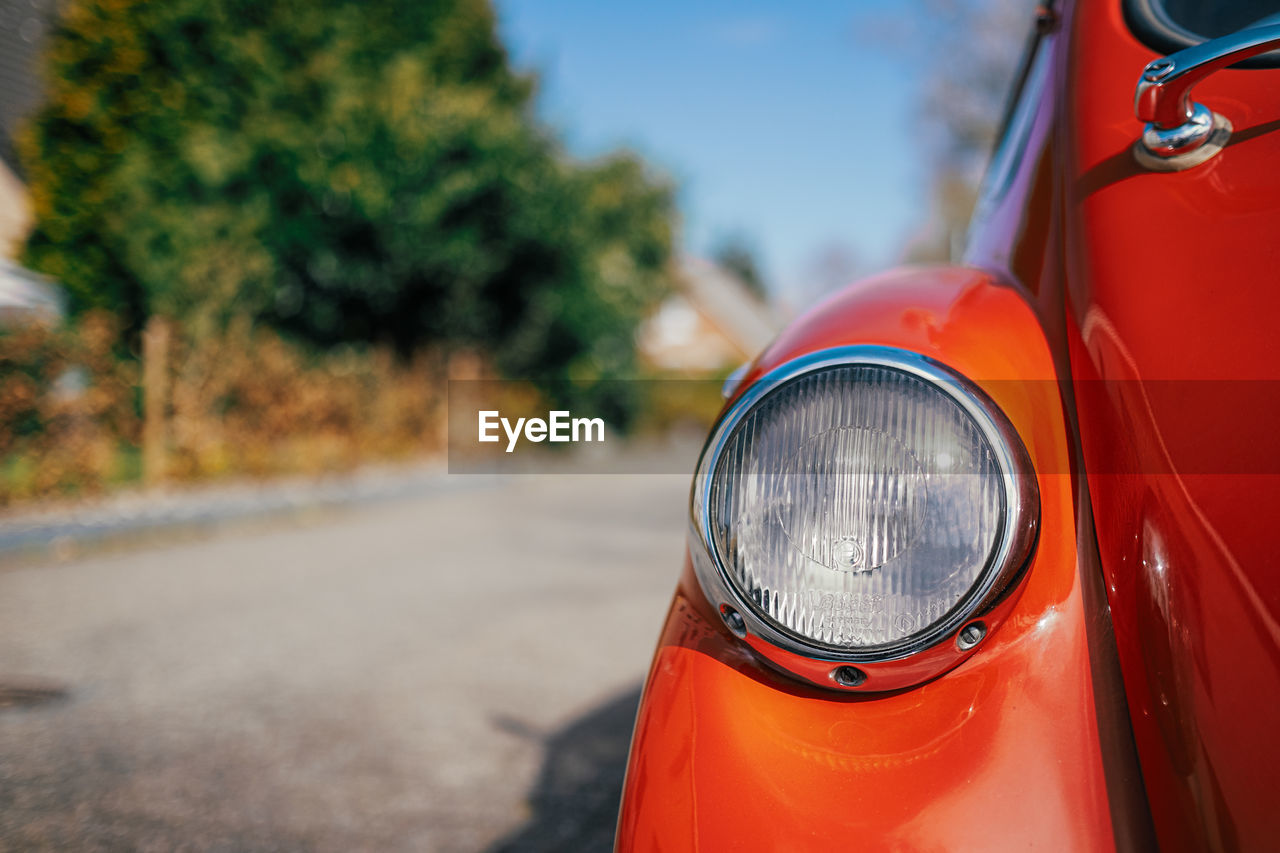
(862, 506)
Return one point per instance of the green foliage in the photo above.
(736, 255)
(347, 171)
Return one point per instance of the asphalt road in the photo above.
(454, 671)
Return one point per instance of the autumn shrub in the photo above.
(245, 400)
(68, 409)
(239, 401)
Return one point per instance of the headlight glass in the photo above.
(864, 508)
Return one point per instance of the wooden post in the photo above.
(155, 399)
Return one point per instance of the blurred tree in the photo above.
(969, 50)
(348, 171)
(965, 100)
(737, 255)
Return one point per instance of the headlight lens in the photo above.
(864, 502)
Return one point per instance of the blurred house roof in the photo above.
(25, 295)
(15, 212)
(712, 321)
(23, 25)
(727, 302)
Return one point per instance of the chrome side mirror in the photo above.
(1181, 133)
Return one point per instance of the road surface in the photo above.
(450, 671)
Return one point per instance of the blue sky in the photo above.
(784, 123)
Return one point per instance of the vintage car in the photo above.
(980, 554)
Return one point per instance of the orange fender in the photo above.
(1002, 752)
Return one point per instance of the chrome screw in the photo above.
(734, 620)
(848, 676)
(1158, 70)
(971, 635)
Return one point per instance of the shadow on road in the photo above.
(26, 693)
(575, 800)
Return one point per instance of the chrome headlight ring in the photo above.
(769, 619)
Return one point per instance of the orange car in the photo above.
(980, 555)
